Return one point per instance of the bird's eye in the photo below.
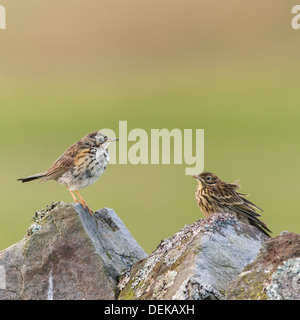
(208, 178)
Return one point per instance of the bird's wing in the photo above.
(228, 197)
(62, 164)
(225, 194)
(252, 215)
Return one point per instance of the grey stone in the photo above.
(67, 254)
(273, 275)
(198, 262)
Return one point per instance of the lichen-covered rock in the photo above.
(274, 274)
(67, 254)
(196, 263)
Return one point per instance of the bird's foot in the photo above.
(86, 207)
(83, 203)
(89, 210)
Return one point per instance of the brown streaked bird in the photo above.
(214, 195)
(80, 165)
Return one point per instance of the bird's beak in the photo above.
(196, 177)
(111, 140)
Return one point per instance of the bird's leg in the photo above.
(84, 203)
(73, 196)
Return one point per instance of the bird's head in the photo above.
(100, 139)
(206, 178)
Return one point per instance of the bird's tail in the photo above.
(33, 177)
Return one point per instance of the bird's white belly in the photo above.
(82, 177)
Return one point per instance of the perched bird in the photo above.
(80, 165)
(213, 195)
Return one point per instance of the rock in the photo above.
(198, 262)
(274, 274)
(68, 255)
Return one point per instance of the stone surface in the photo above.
(274, 274)
(198, 262)
(67, 254)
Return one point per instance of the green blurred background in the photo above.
(70, 67)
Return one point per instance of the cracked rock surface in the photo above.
(273, 275)
(67, 254)
(198, 262)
